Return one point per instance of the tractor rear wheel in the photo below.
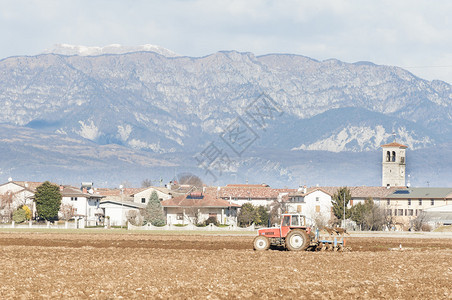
(261, 243)
(297, 240)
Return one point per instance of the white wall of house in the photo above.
(179, 215)
(143, 196)
(21, 196)
(83, 206)
(315, 206)
(253, 201)
(117, 213)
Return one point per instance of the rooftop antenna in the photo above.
(394, 135)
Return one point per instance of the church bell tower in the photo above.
(394, 162)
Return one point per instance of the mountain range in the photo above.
(113, 114)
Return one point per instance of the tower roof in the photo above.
(394, 144)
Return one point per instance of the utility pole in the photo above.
(344, 208)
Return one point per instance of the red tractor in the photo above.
(295, 235)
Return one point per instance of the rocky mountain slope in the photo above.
(168, 108)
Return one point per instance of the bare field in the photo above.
(111, 266)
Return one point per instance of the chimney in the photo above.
(61, 188)
(305, 189)
(84, 190)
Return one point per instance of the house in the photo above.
(406, 204)
(314, 203)
(163, 193)
(197, 207)
(117, 212)
(118, 204)
(439, 215)
(359, 194)
(256, 194)
(13, 194)
(80, 202)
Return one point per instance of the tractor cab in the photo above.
(292, 221)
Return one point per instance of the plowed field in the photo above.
(111, 266)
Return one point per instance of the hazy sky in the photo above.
(415, 35)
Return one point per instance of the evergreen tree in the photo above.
(262, 212)
(338, 203)
(48, 201)
(154, 211)
(247, 214)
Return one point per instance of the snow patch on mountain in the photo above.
(124, 132)
(155, 147)
(67, 49)
(89, 130)
(356, 139)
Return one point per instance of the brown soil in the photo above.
(106, 266)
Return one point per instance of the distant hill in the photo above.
(140, 114)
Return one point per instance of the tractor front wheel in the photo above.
(297, 240)
(261, 243)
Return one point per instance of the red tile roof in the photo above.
(71, 191)
(356, 191)
(394, 144)
(197, 201)
(29, 185)
(243, 191)
(117, 192)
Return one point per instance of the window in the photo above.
(143, 200)
(420, 201)
(388, 156)
(317, 208)
(286, 221)
(432, 202)
(410, 212)
(402, 160)
(389, 212)
(73, 198)
(180, 216)
(399, 212)
(295, 221)
(388, 202)
(409, 201)
(393, 156)
(299, 208)
(317, 199)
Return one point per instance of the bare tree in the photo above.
(420, 222)
(190, 179)
(134, 217)
(67, 211)
(146, 183)
(6, 206)
(193, 214)
(276, 208)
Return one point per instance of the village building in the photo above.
(163, 193)
(256, 194)
(197, 207)
(393, 164)
(406, 204)
(314, 204)
(14, 194)
(118, 203)
(81, 203)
